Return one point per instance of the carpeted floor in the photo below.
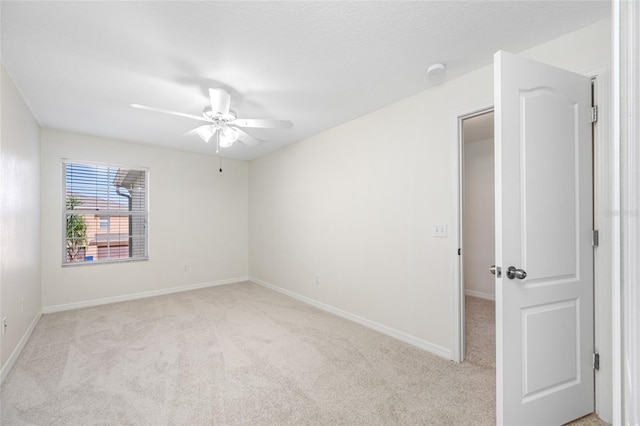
(233, 354)
(480, 334)
(242, 354)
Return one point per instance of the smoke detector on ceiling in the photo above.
(436, 71)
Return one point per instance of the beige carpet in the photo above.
(234, 354)
(241, 354)
(480, 331)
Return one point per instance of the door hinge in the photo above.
(459, 252)
(594, 114)
(595, 238)
(596, 361)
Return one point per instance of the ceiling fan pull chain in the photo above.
(218, 149)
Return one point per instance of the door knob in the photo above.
(513, 272)
(496, 270)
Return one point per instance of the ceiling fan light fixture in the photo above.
(228, 135)
(206, 132)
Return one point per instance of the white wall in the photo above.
(356, 204)
(198, 217)
(479, 219)
(19, 222)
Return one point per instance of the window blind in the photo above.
(105, 213)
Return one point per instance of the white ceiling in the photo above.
(80, 65)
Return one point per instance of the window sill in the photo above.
(103, 262)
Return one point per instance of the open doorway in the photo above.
(478, 237)
(601, 271)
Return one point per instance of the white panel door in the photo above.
(544, 321)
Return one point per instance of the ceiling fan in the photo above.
(222, 122)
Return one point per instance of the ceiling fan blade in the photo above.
(220, 101)
(166, 111)
(267, 124)
(247, 139)
(193, 131)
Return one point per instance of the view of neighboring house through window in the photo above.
(104, 222)
(105, 213)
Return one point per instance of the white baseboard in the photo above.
(480, 295)
(141, 295)
(407, 338)
(16, 352)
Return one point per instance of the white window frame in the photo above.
(102, 222)
(108, 213)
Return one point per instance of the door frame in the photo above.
(602, 208)
(458, 346)
(625, 148)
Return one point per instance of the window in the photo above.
(105, 213)
(104, 222)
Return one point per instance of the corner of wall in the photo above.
(6, 368)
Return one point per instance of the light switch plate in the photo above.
(440, 231)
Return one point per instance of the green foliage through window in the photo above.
(76, 232)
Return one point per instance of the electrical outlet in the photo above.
(317, 279)
(4, 325)
(22, 305)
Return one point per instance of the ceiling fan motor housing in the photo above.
(218, 117)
